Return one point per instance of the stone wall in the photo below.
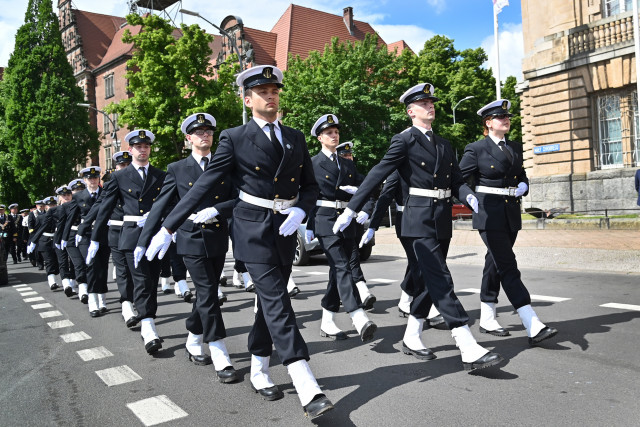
(611, 189)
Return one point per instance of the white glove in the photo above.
(349, 189)
(63, 244)
(205, 215)
(343, 220)
(57, 246)
(31, 247)
(91, 253)
(522, 188)
(293, 221)
(138, 253)
(367, 236)
(362, 217)
(309, 236)
(159, 244)
(78, 240)
(109, 223)
(142, 221)
(174, 237)
(473, 202)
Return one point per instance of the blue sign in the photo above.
(543, 149)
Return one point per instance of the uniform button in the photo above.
(300, 165)
(450, 164)
(257, 168)
(422, 163)
(222, 183)
(217, 225)
(491, 166)
(349, 175)
(435, 201)
(435, 175)
(327, 176)
(139, 200)
(506, 201)
(447, 176)
(141, 211)
(129, 190)
(217, 197)
(204, 226)
(158, 188)
(515, 177)
(277, 196)
(154, 199)
(190, 184)
(435, 188)
(293, 180)
(275, 179)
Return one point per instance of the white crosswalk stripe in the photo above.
(118, 375)
(60, 324)
(94, 353)
(533, 297)
(26, 288)
(28, 293)
(47, 314)
(621, 306)
(39, 306)
(33, 299)
(75, 337)
(156, 410)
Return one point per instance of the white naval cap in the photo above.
(260, 75)
(50, 200)
(63, 189)
(198, 121)
(344, 148)
(90, 171)
(13, 205)
(39, 202)
(76, 183)
(419, 91)
(138, 136)
(498, 107)
(326, 121)
(122, 157)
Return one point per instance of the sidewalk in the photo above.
(585, 250)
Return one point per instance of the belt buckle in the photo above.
(512, 191)
(441, 193)
(277, 205)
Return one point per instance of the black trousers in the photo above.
(98, 270)
(10, 247)
(50, 259)
(172, 265)
(354, 263)
(145, 285)
(437, 286)
(275, 322)
(412, 274)
(239, 266)
(500, 265)
(206, 316)
(65, 265)
(123, 275)
(341, 284)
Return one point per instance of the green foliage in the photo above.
(360, 83)
(170, 78)
(45, 134)
(508, 91)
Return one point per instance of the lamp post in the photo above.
(456, 106)
(114, 134)
(235, 48)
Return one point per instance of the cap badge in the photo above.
(267, 72)
(505, 105)
(330, 119)
(200, 118)
(427, 88)
(142, 134)
(288, 147)
(92, 171)
(125, 155)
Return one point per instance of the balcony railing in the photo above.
(603, 33)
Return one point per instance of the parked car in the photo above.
(460, 211)
(305, 250)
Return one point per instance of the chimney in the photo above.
(347, 18)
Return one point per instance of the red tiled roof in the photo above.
(400, 46)
(301, 30)
(118, 48)
(96, 31)
(264, 45)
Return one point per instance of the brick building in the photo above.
(95, 50)
(580, 104)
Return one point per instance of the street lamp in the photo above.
(114, 134)
(235, 48)
(456, 106)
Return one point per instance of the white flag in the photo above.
(498, 5)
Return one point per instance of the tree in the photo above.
(509, 92)
(170, 77)
(46, 134)
(360, 83)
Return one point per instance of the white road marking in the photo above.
(94, 353)
(533, 297)
(60, 324)
(33, 299)
(29, 293)
(47, 314)
(316, 273)
(19, 286)
(382, 280)
(118, 375)
(621, 306)
(75, 337)
(39, 306)
(26, 288)
(156, 410)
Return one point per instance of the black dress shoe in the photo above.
(69, 292)
(424, 354)
(84, 299)
(167, 291)
(338, 337)
(200, 360)
(54, 287)
(227, 375)
(222, 300)
(318, 406)
(402, 313)
(94, 313)
(40, 267)
(500, 332)
(269, 393)
(295, 291)
(250, 288)
(223, 281)
(103, 310)
(153, 346)
(369, 328)
(368, 302)
(132, 321)
(544, 334)
(436, 322)
(489, 359)
(187, 296)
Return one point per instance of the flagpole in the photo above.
(495, 36)
(636, 42)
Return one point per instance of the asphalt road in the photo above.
(587, 375)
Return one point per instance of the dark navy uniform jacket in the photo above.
(422, 164)
(204, 240)
(45, 223)
(394, 188)
(114, 230)
(484, 163)
(247, 155)
(78, 208)
(330, 179)
(127, 189)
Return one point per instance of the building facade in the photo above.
(580, 120)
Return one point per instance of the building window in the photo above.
(610, 120)
(114, 117)
(108, 86)
(105, 125)
(107, 158)
(615, 7)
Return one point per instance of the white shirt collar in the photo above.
(326, 152)
(421, 129)
(496, 139)
(262, 123)
(198, 157)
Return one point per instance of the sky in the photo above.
(468, 22)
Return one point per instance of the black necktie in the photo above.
(334, 159)
(274, 139)
(429, 134)
(206, 162)
(93, 198)
(144, 174)
(506, 152)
